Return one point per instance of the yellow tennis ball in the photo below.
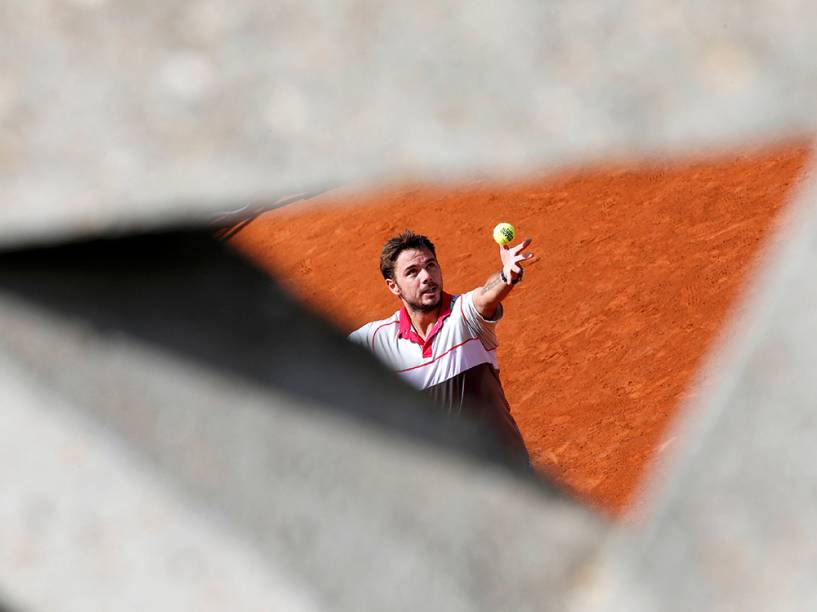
(504, 233)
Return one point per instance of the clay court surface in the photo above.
(639, 269)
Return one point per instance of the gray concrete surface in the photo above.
(87, 525)
(117, 113)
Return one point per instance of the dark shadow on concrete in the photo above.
(6, 607)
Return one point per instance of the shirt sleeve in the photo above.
(361, 335)
(482, 328)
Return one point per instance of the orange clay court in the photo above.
(638, 269)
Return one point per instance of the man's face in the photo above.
(418, 279)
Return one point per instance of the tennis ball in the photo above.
(504, 233)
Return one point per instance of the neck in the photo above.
(423, 321)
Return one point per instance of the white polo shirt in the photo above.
(455, 365)
(460, 340)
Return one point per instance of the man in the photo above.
(446, 344)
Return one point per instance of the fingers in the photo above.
(523, 245)
(527, 257)
(511, 256)
(523, 257)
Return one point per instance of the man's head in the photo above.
(409, 266)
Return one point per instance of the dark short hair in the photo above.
(398, 244)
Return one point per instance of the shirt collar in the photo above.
(407, 331)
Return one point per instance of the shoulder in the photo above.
(365, 334)
(464, 302)
(468, 309)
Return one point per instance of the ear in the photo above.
(393, 287)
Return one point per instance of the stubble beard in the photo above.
(427, 307)
(420, 307)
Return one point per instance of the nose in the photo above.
(424, 276)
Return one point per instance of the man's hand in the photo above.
(511, 257)
(488, 297)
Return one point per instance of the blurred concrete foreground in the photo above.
(159, 454)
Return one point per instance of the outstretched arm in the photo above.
(490, 295)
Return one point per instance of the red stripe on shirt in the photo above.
(378, 329)
(422, 365)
